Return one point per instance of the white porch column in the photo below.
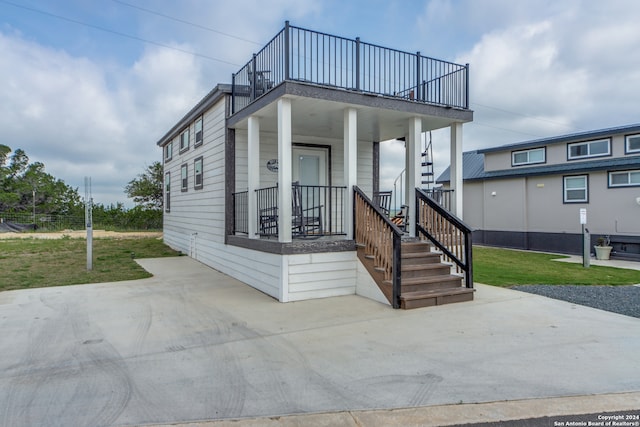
(253, 174)
(284, 170)
(414, 169)
(350, 166)
(456, 169)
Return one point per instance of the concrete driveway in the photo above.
(193, 344)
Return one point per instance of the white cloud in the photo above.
(571, 71)
(62, 112)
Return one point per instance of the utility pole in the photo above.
(88, 216)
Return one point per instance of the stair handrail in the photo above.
(447, 232)
(374, 230)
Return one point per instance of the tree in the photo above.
(23, 184)
(146, 189)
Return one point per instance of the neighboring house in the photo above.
(529, 195)
(268, 179)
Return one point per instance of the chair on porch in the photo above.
(306, 221)
(306, 215)
(382, 199)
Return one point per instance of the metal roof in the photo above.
(627, 129)
(473, 167)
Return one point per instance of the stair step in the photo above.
(421, 258)
(415, 246)
(425, 270)
(442, 281)
(409, 300)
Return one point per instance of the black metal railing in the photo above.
(447, 232)
(240, 213)
(297, 54)
(440, 196)
(316, 211)
(380, 238)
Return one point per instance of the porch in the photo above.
(307, 116)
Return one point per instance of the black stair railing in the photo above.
(380, 238)
(447, 232)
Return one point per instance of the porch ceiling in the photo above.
(379, 119)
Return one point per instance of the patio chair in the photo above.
(382, 199)
(306, 221)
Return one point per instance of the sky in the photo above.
(88, 87)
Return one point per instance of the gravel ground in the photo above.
(617, 299)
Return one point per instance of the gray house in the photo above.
(528, 195)
(273, 179)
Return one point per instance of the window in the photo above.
(168, 151)
(198, 132)
(576, 189)
(528, 157)
(184, 177)
(167, 191)
(581, 150)
(197, 173)
(632, 144)
(184, 140)
(624, 179)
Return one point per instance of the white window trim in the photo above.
(528, 162)
(586, 189)
(588, 143)
(628, 184)
(627, 149)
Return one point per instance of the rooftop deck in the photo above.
(300, 55)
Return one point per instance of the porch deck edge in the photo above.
(292, 248)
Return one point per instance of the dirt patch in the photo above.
(82, 234)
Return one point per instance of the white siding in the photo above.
(367, 287)
(321, 275)
(195, 223)
(199, 211)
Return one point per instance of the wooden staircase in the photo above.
(425, 280)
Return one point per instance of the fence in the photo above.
(297, 54)
(13, 222)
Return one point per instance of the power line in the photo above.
(523, 115)
(182, 21)
(505, 129)
(64, 18)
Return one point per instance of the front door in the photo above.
(309, 165)
(310, 171)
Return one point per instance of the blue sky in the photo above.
(88, 87)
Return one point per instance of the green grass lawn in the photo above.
(504, 267)
(35, 263)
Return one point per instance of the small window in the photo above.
(184, 177)
(576, 189)
(632, 144)
(168, 151)
(184, 140)
(624, 179)
(167, 191)
(581, 150)
(528, 157)
(198, 132)
(197, 173)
